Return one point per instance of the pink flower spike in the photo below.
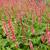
(43, 38)
(48, 41)
(5, 28)
(32, 30)
(31, 45)
(13, 37)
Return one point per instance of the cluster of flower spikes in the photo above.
(21, 6)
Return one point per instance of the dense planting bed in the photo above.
(24, 24)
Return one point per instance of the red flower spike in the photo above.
(48, 34)
(48, 41)
(33, 4)
(10, 25)
(13, 37)
(12, 29)
(31, 45)
(32, 30)
(42, 6)
(40, 19)
(5, 28)
(48, 37)
(43, 38)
